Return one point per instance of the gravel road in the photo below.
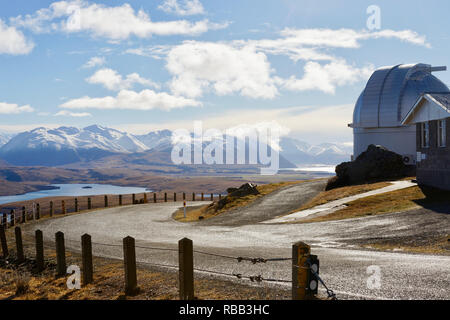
(343, 264)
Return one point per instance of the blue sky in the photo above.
(145, 65)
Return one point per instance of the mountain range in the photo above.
(97, 145)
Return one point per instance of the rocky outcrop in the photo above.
(375, 164)
(244, 190)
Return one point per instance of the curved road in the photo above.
(343, 264)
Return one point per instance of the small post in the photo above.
(174, 197)
(212, 197)
(63, 207)
(3, 240)
(38, 211)
(184, 196)
(184, 208)
(129, 260)
(134, 198)
(60, 254)
(300, 254)
(203, 196)
(186, 269)
(5, 220)
(154, 197)
(165, 196)
(24, 215)
(220, 196)
(51, 209)
(39, 250)
(145, 198)
(89, 204)
(12, 217)
(19, 244)
(120, 199)
(193, 196)
(106, 201)
(76, 205)
(86, 257)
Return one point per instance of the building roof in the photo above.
(392, 91)
(429, 106)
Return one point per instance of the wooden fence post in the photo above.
(186, 269)
(165, 196)
(63, 207)
(300, 254)
(19, 244)
(193, 196)
(174, 197)
(212, 197)
(38, 211)
(133, 198)
(76, 205)
(106, 201)
(203, 196)
(89, 204)
(154, 197)
(5, 220)
(220, 196)
(86, 256)
(145, 198)
(184, 196)
(12, 218)
(3, 240)
(51, 209)
(120, 199)
(24, 215)
(60, 254)
(129, 260)
(39, 250)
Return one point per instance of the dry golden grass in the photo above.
(208, 211)
(389, 202)
(339, 193)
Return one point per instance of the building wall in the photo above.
(401, 140)
(434, 169)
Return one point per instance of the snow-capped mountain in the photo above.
(43, 146)
(4, 138)
(300, 152)
(66, 145)
(156, 139)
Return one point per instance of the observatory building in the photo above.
(389, 95)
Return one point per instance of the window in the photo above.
(442, 133)
(425, 133)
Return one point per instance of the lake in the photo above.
(73, 190)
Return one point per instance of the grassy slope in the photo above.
(339, 193)
(389, 202)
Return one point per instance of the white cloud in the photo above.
(131, 100)
(114, 23)
(11, 108)
(182, 7)
(72, 114)
(326, 77)
(94, 62)
(13, 41)
(197, 66)
(111, 80)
